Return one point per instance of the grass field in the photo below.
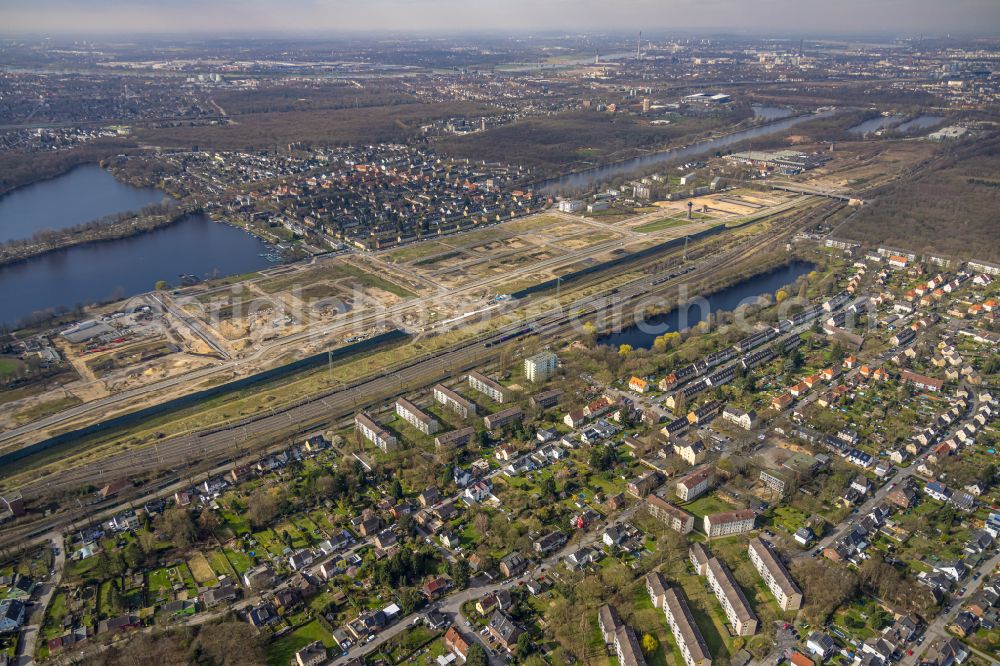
(660, 225)
(282, 651)
(705, 505)
(9, 366)
(44, 409)
(418, 250)
(202, 570)
(331, 272)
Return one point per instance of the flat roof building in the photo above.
(541, 366)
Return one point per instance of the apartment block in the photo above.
(675, 518)
(695, 483)
(416, 417)
(488, 387)
(729, 522)
(731, 598)
(374, 433)
(502, 418)
(454, 402)
(454, 438)
(775, 575)
(540, 367)
(686, 633)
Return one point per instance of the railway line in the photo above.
(195, 453)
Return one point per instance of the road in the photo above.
(102, 408)
(344, 401)
(29, 632)
(937, 629)
(451, 605)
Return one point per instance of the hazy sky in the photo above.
(808, 17)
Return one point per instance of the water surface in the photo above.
(81, 195)
(724, 300)
(195, 245)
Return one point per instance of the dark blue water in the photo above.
(84, 194)
(92, 273)
(642, 335)
(588, 178)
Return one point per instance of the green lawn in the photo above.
(660, 225)
(9, 366)
(282, 651)
(220, 565)
(705, 505)
(241, 561)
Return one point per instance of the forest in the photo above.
(948, 206)
(579, 139)
(275, 130)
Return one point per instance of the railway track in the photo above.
(194, 453)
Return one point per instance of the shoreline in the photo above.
(73, 243)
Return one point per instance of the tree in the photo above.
(624, 350)
(549, 488)
(780, 295)
(397, 489)
(603, 458)
(525, 644)
(262, 508)
(133, 556)
(228, 644)
(460, 571)
(482, 523)
(161, 285)
(208, 523)
(649, 644)
(410, 600)
(179, 526)
(476, 656)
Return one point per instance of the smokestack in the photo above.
(638, 47)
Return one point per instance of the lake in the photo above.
(588, 178)
(875, 124)
(85, 274)
(725, 300)
(81, 195)
(920, 122)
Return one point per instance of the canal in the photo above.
(589, 178)
(642, 335)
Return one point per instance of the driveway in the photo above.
(29, 632)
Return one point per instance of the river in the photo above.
(86, 274)
(642, 335)
(771, 112)
(588, 178)
(81, 195)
